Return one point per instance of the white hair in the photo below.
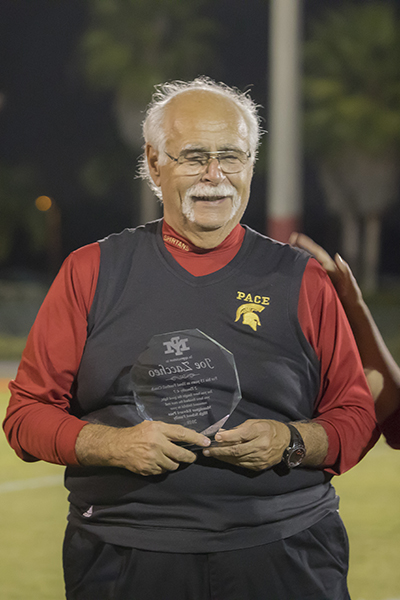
(153, 125)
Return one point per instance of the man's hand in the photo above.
(146, 449)
(256, 444)
(338, 270)
(259, 444)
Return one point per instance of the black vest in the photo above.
(250, 308)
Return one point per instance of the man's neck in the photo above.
(202, 261)
(205, 239)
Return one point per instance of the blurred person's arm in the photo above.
(374, 353)
(344, 406)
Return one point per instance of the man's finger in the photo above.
(238, 435)
(242, 455)
(179, 453)
(184, 435)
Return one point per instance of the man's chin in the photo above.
(199, 224)
(208, 227)
(209, 214)
(208, 223)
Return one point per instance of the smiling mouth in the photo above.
(209, 198)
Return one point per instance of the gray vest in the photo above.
(250, 308)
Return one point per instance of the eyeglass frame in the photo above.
(211, 156)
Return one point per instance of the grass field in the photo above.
(33, 508)
(32, 521)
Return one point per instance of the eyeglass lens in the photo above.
(194, 163)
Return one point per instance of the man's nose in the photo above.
(213, 172)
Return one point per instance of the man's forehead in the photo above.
(198, 113)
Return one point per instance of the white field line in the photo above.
(20, 485)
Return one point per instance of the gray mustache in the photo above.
(206, 191)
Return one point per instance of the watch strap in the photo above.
(294, 454)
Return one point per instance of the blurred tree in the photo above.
(352, 121)
(20, 221)
(132, 45)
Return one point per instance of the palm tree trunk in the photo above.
(371, 252)
(351, 239)
(150, 208)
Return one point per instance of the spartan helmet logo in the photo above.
(247, 311)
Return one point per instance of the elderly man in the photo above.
(160, 509)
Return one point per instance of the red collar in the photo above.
(200, 261)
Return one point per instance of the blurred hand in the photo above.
(375, 382)
(350, 296)
(338, 270)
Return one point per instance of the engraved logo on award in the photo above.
(187, 378)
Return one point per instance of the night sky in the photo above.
(51, 120)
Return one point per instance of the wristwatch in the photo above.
(294, 454)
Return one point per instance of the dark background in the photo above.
(53, 121)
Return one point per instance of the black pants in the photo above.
(311, 565)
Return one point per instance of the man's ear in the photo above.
(152, 161)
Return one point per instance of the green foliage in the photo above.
(352, 80)
(11, 347)
(131, 45)
(106, 168)
(18, 187)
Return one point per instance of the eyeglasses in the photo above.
(194, 162)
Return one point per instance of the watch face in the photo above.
(296, 456)
(295, 452)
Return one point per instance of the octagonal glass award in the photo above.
(187, 378)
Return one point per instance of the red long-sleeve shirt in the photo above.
(38, 423)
